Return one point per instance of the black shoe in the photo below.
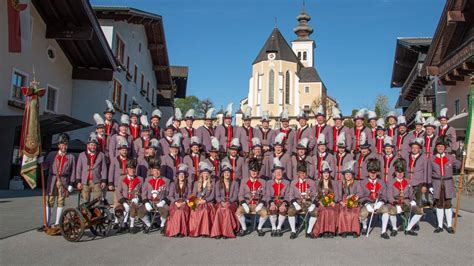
(354, 235)
(162, 230)
(241, 233)
(330, 235)
(292, 235)
(146, 229)
(261, 233)
(344, 235)
(133, 230)
(180, 235)
(394, 233)
(363, 231)
(385, 236)
(450, 230)
(325, 235)
(274, 233)
(309, 235)
(41, 229)
(121, 230)
(416, 227)
(438, 230)
(218, 237)
(224, 237)
(279, 233)
(411, 233)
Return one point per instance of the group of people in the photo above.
(213, 181)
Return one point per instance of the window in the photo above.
(117, 93)
(148, 91)
(125, 96)
(299, 55)
(128, 63)
(306, 89)
(18, 80)
(141, 83)
(135, 74)
(153, 96)
(120, 49)
(271, 87)
(287, 87)
(457, 107)
(51, 99)
(304, 56)
(139, 47)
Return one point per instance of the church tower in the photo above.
(303, 46)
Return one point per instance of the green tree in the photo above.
(382, 106)
(192, 102)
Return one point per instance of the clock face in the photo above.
(271, 56)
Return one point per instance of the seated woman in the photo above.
(202, 214)
(178, 219)
(349, 192)
(327, 210)
(226, 192)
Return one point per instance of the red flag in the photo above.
(14, 25)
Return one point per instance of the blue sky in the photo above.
(355, 39)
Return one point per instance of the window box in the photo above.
(16, 104)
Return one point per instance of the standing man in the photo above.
(429, 136)
(188, 131)
(444, 130)
(118, 165)
(91, 171)
(234, 160)
(342, 157)
(206, 131)
(176, 121)
(226, 132)
(265, 133)
(417, 175)
(392, 123)
(288, 138)
(303, 132)
(322, 128)
(301, 157)
(102, 145)
(377, 143)
(134, 128)
(61, 168)
(171, 160)
(155, 118)
(122, 133)
(388, 158)
(140, 144)
(193, 159)
(359, 128)
(213, 156)
(339, 129)
(143, 163)
(111, 126)
(321, 154)
(284, 159)
(403, 146)
(246, 132)
(372, 118)
(363, 157)
(419, 130)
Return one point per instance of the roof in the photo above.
(73, 24)
(277, 44)
(308, 74)
(154, 30)
(406, 56)
(50, 124)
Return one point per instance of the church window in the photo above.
(304, 56)
(306, 89)
(271, 87)
(287, 88)
(299, 55)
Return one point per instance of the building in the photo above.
(285, 76)
(144, 77)
(416, 92)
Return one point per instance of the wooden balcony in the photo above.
(425, 104)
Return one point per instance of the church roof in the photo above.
(308, 74)
(276, 43)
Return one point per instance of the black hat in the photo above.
(373, 165)
(154, 163)
(63, 138)
(254, 165)
(301, 167)
(400, 165)
(442, 140)
(131, 163)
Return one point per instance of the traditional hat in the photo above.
(122, 143)
(92, 138)
(248, 113)
(234, 144)
(256, 143)
(209, 114)
(301, 115)
(144, 123)
(137, 111)
(442, 140)
(419, 119)
(63, 138)
(431, 122)
(189, 114)
(303, 144)
(214, 144)
(380, 124)
(265, 117)
(225, 166)
(153, 143)
(401, 121)
(391, 114)
(320, 111)
(363, 142)
(325, 167)
(131, 163)
(125, 120)
(176, 141)
(99, 121)
(443, 113)
(169, 123)
(371, 115)
(349, 167)
(277, 165)
(388, 142)
(373, 165)
(279, 139)
(110, 107)
(284, 116)
(178, 116)
(360, 115)
(341, 140)
(301, 166)
(182, 168)
(336, 113)
(400, 165)
(417, 141)
(195, 141)
(154, 163)
(254, 164)
(204, 167)
(321, 140)
(228, 111)
(156, 113)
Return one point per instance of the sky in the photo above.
(355, 41)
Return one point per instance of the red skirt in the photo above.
(348, 221)
(177, 221)
(200, 220)
(225, 222)
(327, 220)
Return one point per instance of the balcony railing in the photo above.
(421, 103)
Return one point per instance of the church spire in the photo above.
(303, 30)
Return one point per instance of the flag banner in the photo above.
(30, 142)
(19, 23)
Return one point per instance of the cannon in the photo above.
(94, 215)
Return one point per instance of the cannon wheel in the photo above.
(103, 224)
(72, 225)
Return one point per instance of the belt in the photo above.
(441, 178)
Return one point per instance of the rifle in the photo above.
(304, 218)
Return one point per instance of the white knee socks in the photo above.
(132, 222)
(440, 216)
(163, 222)
(242, 222)
(449, 217)
(364, 223)
(146, 220)
(312, 221)
(261, 222)
(384, 222)
(292, 221)
(414, 220)
(59, 210)
(273, 220)
(393, 221)
(281, 220)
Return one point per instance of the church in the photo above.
(285, 77)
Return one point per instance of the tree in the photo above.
(193, 102)
(204, 106)
(382, 106)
